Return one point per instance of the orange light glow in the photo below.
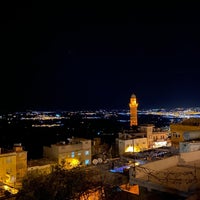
(92, 195)
(134, 189)
(129, 149)
(72, 162)
(136, 149)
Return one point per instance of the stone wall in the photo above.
(158, 165)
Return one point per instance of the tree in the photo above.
(78, 183)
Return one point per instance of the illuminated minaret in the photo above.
(133, 110)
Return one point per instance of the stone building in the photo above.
(178, 129)
(147, 137)
(76, 152)
(13, 165)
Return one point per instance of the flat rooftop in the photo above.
(39, 162)
(182, 179)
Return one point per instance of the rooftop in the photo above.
(39, 162)
(178, 174)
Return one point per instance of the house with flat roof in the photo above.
(178, 174)
(146, 137)
(13, 165)
(76, 152)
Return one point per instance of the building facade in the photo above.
(76, 152)
(178, 129)
(155, 136)
(13, 166)
(132, 145)
(21, 164)
(147, 137)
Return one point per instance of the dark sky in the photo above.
(70, 58)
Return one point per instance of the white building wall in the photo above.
(81, 150)
(124, 144)
(158, 165)
(164, 164)
(121, 147)
(189, 146)
(50, 152)
(67, 148)
(141, 144)
(86, 144)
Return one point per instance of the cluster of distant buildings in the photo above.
(184, 137)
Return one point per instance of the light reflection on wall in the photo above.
(129, 149)
(132, 149)
(71, 163)
(159, 144)
(136, 149)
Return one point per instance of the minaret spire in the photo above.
(133, 110)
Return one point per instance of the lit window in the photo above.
(87, 153)
(87, 162)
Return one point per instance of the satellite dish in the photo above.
(95, 161)
(100, 160)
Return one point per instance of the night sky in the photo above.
(60, 57)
